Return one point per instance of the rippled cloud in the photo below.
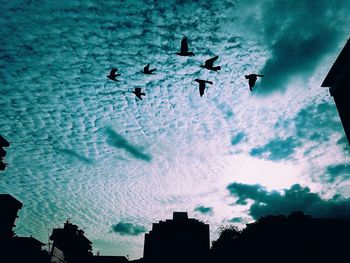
(118, 141)
(76, 156)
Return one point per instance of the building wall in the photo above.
(185, 240)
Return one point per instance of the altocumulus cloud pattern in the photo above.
(84, 147)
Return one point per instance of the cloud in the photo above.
(297, 35)
(338, 170)
(118, 141)
(297, 198)
(76, 155)
(317, 122)
(204, 210)
(128, 229)
(241, 136)
(277, 149)
(236, 220)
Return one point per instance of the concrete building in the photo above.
(16, 249)
(70, 245)
(338, 81)
(181, 239)
(108, 259)
(9, 207)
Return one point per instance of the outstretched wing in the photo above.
(210, 62)
(137, 90)
(201, 88)
(252, 82)
(113, 71)
(146, 68)
(184, 45)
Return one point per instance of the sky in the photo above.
(84, 147)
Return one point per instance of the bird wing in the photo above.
(113, 71)
(137, 90)
(146, 68)
(184, 45)
(210, 62)
(252, 82)
(201, 88)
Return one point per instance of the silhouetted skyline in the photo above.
(80, 139)
(184, 239)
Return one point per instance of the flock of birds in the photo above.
(208, 64)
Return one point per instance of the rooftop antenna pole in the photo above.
(48, 239)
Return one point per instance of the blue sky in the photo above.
(84, 147)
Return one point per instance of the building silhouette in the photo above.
(108, 259)
(181, 239)
(274, 238)
(70, 245)
(293, 238)
(338, 81)
(9, 207)
(3, 143)
(16, 249)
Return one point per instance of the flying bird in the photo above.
(112, 75)
(202, 85)
(184, 48)
(208, 64)
(146, 70)
(252, 79)
(138, 93)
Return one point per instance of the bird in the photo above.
(112, 75)
(252, 79)
(138, 93)
(146, 70)
(208, 64)
(184, 48)
(202, 85)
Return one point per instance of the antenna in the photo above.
(48, 240)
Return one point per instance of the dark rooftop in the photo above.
(9, 200)
(340, 68)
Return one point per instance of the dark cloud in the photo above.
(128, 229)
(236, 220)
(238, 138)
(297, 198)
(298, 35)
(277, 149)
(76, 155)
(338, 170)
(204, 210)
(118, 141)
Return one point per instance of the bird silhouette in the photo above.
(146, 70)
(202, 85)
(138, 93)
(252, 79)
(184, 48)
(208, 64)
(112, 75)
